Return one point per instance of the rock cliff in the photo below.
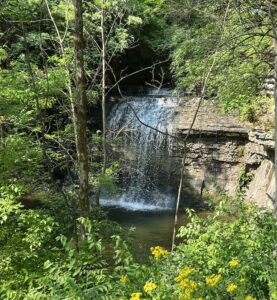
(222, 148)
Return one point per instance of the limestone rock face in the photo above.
(214, 157)
(254, 154)
(262, 137)
(209, 120)
(220, 147)
(261, 189)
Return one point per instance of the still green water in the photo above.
(150, 228)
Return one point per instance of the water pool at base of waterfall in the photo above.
(148, 228)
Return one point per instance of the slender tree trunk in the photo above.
(179, 197)
(185, 153)
(80, 111)
(203, 90)
(104, 123)
(104, 90)
(275, 117)
(272, 16)
(184, 159)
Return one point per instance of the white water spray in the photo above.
(146, 152)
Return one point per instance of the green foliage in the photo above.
(20, 163)
(260, 112)
(229, 254)
(35, 264)
(247, 234)
(121, 20)
(229, 44)
(35, 135)
(25, 238)
(244, 181)
(108, 181)
(17, 153)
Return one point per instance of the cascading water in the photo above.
(146, 152)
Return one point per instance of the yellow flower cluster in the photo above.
(184, 274)
(188, 288)
(249, 298)
(149, 287)
(158, 251)
(188, 284)
(231, 288)
(135, 296)
(123, 279)
(213, 280)
(233, 263)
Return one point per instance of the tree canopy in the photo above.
(58, 60)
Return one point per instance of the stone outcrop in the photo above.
(261, 189)
(260, 157)
(222, 148)
(262, 137)
(209, 119)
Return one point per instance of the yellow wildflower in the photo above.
(123, 279)
(188, 288)
(158, 251)
(249, 298)
(149, 287)
(188, 284)
(213, 280)
(184, 273)
(135, 296)
(233, 263)
(231, 288)
(186, 295)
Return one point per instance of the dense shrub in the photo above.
(230, 254)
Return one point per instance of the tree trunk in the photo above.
(104, 123)
(179, 197)
(104, 91)
(80, 111)
(275, 117)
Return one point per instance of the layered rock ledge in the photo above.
(223, 149)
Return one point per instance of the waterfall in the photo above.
(145, 153)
